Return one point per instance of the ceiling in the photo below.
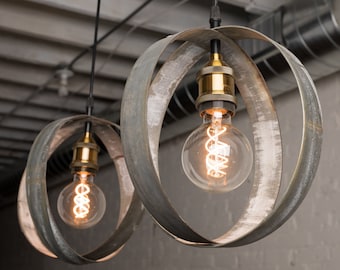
(39, 37)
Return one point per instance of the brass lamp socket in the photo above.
(85, 155)
(216, 87)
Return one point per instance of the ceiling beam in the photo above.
(168, 16)
(34, 75)
(257, 6)
(36, 51)
(24, 18)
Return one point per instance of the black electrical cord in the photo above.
(93, 64)
(90, 100)
(215, 21)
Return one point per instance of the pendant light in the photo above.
(216, 156)
(81, 204)
(148, 91)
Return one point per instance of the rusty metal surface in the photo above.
(36, 219)
(144, 104)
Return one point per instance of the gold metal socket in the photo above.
(216, 82)
(85, 155)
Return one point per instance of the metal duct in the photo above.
(311, 31)
(309, 28)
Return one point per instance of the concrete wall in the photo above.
(309, 240)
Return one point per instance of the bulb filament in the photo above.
(81, 201)
(218, 151)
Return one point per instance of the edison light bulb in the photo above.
(217, 156)
(81, 204)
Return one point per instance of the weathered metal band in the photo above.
(267, 139)
(143, 108)
(310, 150)
(35, 216)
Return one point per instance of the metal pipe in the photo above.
(307, 28)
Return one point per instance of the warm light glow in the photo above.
(81, 200)
(81, 204)
(217, 157)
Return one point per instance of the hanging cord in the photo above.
(94, 53)
(90, 100)
(215, 21)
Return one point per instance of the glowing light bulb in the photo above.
(81, 204)
(217, 156)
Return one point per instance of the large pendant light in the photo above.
(147, 94)
(81, 204)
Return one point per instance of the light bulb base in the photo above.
(211, 106)
(216, 87)
(85, 155)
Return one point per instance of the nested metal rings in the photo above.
(35, 217)
(146, 96)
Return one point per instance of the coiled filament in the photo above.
(218, 152)
(81, 201)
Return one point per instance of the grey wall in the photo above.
(309, 240)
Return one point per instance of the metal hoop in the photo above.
(35, 217)
(143, 107)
